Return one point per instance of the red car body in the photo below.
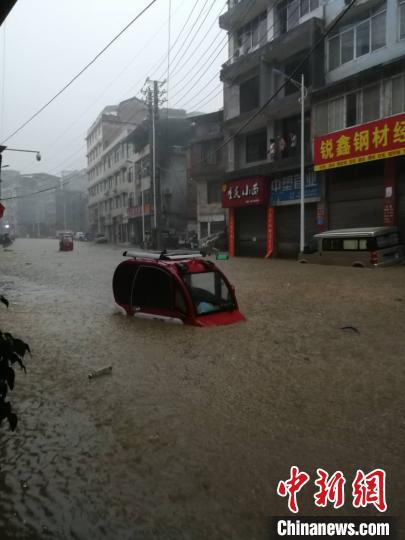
(178, 286)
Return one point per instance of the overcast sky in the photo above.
(45, 43)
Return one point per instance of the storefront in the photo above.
(285, 196)
(363, 174)
(250, 220)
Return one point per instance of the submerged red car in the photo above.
(179, 286)
(66, 242)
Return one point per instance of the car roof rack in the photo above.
(173, 255)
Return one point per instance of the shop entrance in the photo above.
(250, 231)
(288, 228)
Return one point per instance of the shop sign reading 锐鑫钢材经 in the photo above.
(247, 192)
(380, 139)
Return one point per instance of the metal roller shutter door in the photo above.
(250, 231)
(355, 196)
(288, 228)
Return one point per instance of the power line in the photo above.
(184, 63)
(81, 71)
(94, 101)
(192, 28)
(261, 41)
(162, 61)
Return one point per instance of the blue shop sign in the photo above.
(287, 190)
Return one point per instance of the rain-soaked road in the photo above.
(190, 434)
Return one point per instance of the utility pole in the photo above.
(153, 100)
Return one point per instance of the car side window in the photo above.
(152, 289)
(332, 244)
(179, 302)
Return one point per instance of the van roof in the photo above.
(361, 231)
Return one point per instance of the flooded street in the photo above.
(190, 434)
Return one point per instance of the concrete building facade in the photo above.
(206, 171)
(352, 77)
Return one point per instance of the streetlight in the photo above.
(304, 94)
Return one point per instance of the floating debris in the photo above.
(100, 372)
(350, 329)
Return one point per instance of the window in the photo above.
(332, 244)
(307, 6)
(208, 153)
(352, 114)
(398, 95)
(350, 244)
(388, 240)
(402, 20)
(214, 192)
(362, 38)
(209, 292)
(334, 52)
(371, 103)
(253, 33)
(152, 289)
(378, 26)
(335, 114)
(256, 146)
(347, 41)
(249, 95)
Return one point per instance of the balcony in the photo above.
(241, 12)
(301, 37)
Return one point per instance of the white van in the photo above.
(363, 247)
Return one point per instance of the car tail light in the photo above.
(374, 257)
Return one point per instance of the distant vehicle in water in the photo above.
(177, 286)
(101, 238)
(80, 236)
(362, 247)
(6, 240)
(66, 242)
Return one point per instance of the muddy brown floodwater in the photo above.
(190, 434)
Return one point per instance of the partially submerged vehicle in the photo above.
(175, 286)
(65, 242)
(362, 247)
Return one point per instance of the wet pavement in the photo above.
(189, 435)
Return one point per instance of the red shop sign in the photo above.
(381, 139)
(247, 192)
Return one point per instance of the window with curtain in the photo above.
(371, 103)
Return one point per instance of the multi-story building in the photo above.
(267, 42)
(36, 204)
(176, 216)
(206, 171)
(110, 161)
(358, 119)
(351, 77)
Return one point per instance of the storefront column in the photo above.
(231, 232)
(390, 198)
(270, 232)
